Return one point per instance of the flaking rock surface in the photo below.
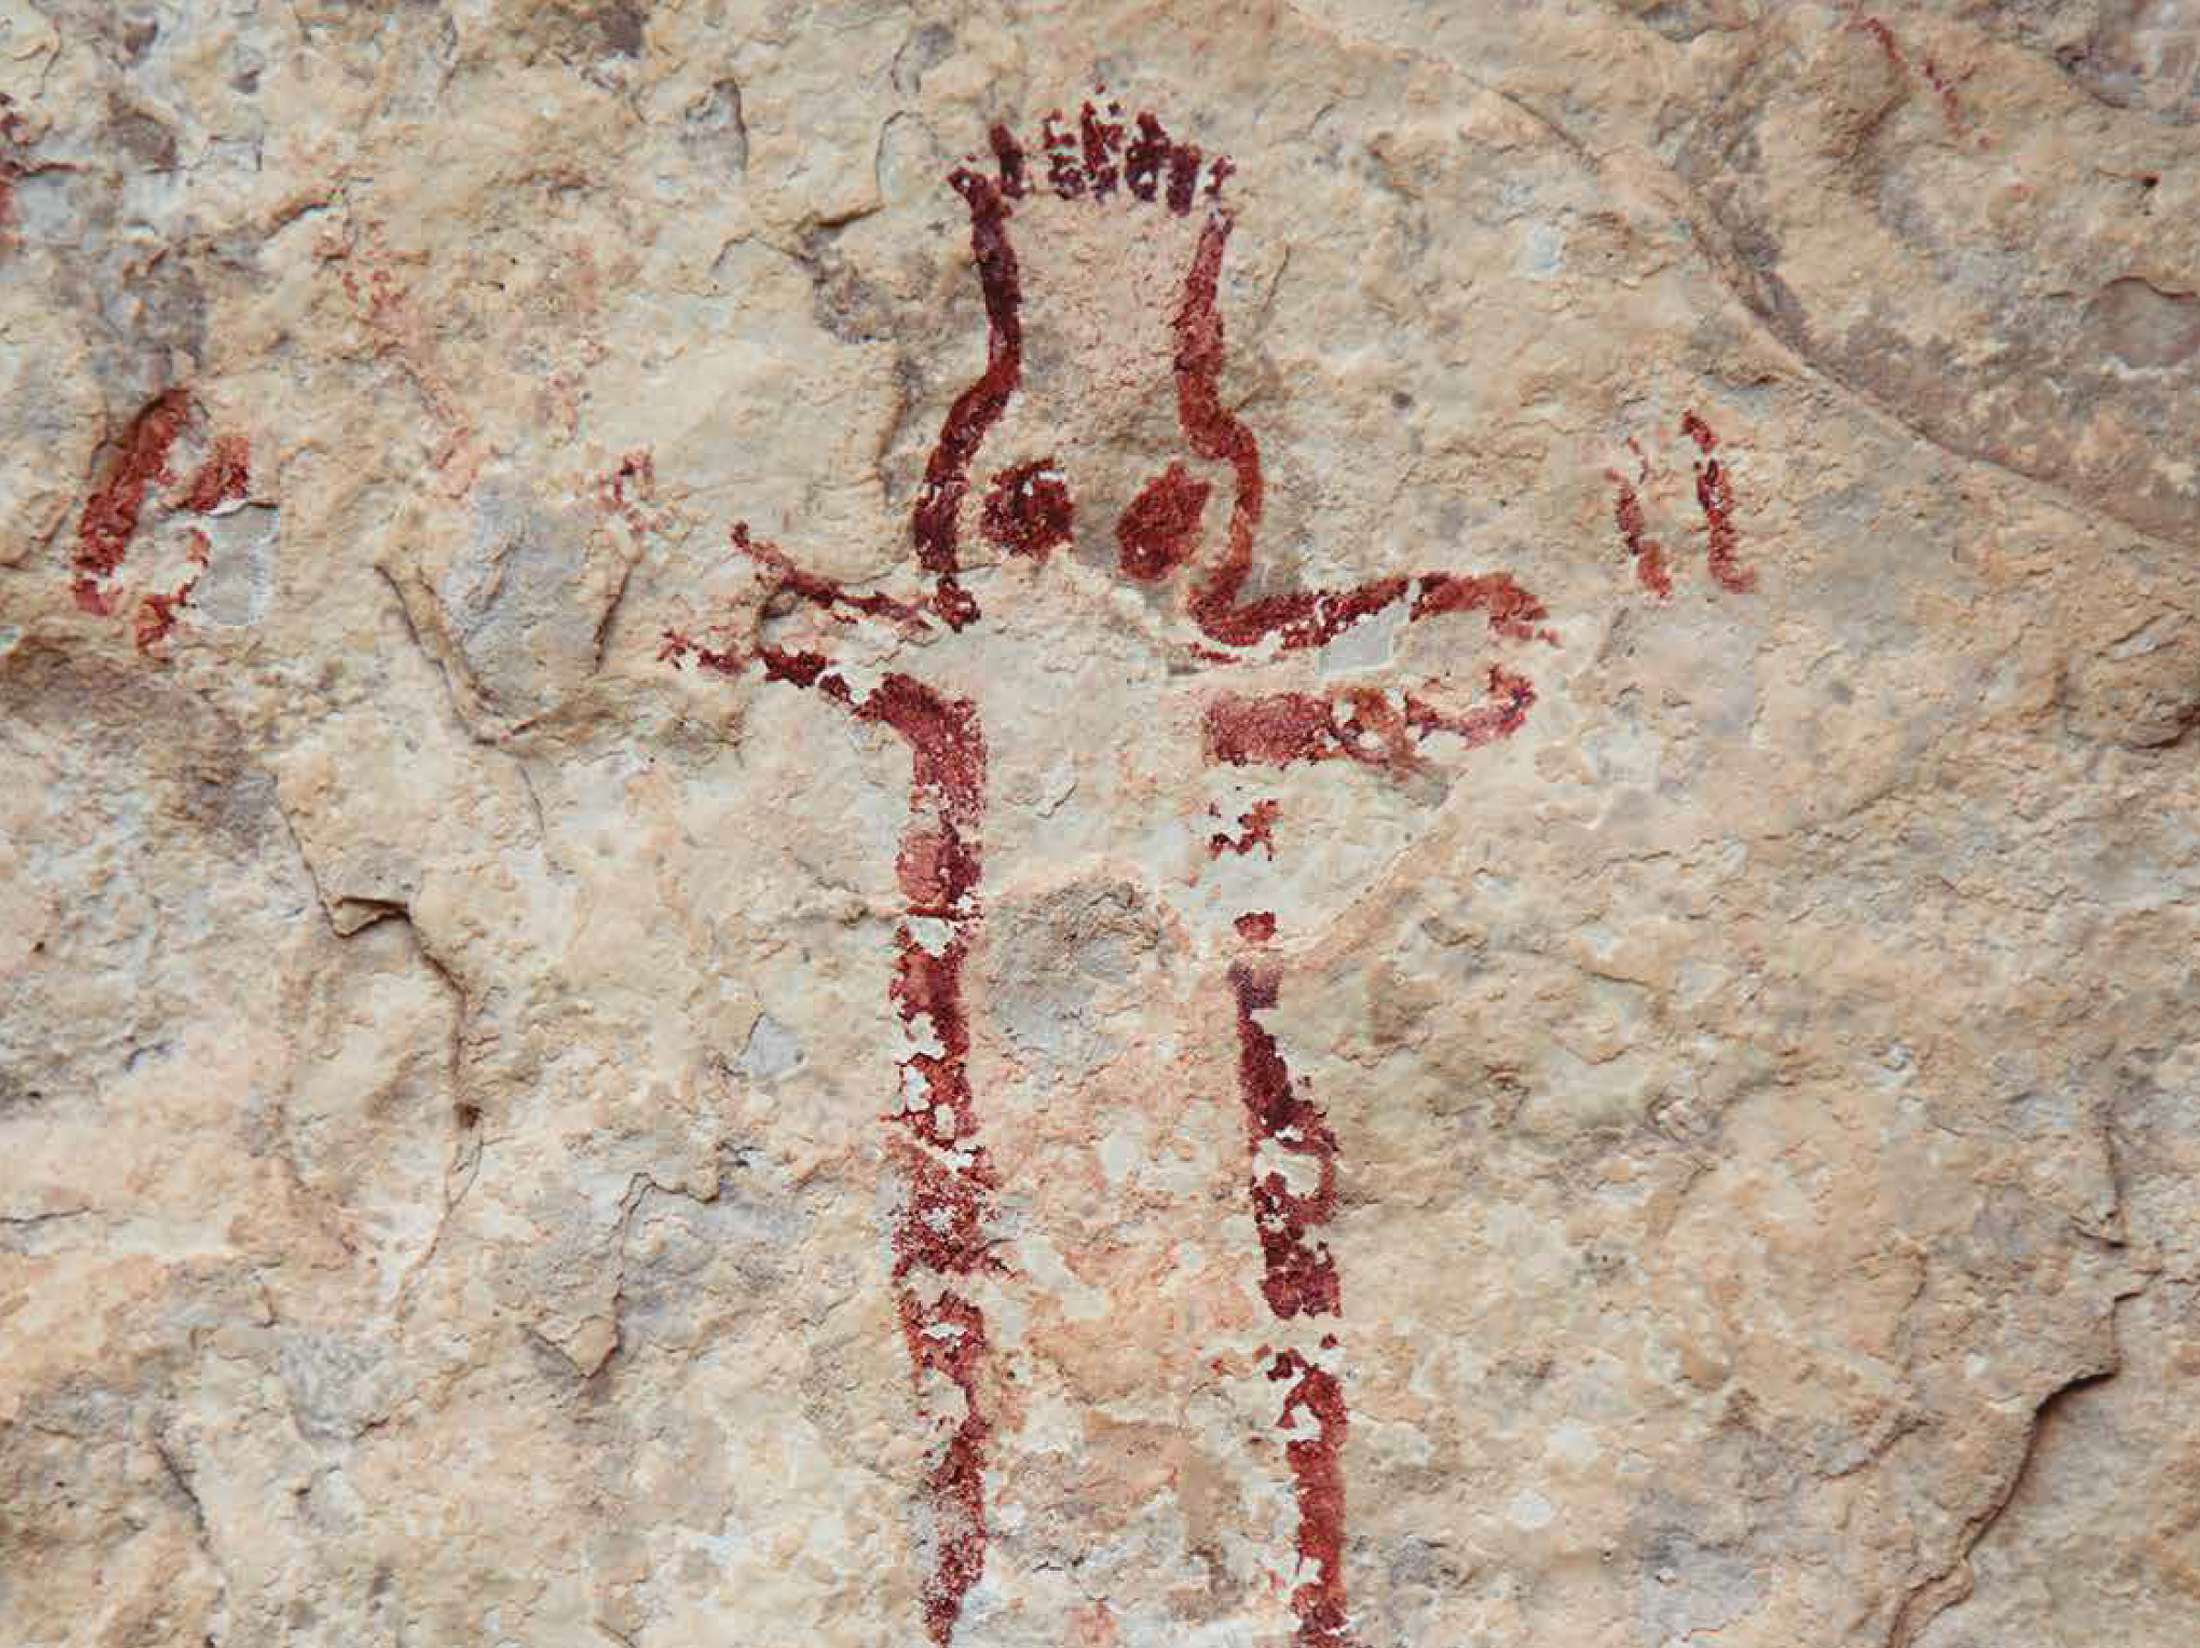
(1351, 825)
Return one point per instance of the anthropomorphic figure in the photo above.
(1098, 249)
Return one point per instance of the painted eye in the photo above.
(1027, 509)
(1160, 529)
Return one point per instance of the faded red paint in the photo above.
(1648, 554)
(1943, 88)
(115, 510)
(948, 1178)
(110, 518)
(1317, 1481)
(225, 475)
(1300, 1277)
(157, 614)
(1028, 510)
(1256, 828)
(1715, 495)
(1256, 926)
(947, 1337)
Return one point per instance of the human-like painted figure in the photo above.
(1098, 249)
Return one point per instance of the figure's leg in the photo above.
(939, 1244)
(940, 1239)
(1293, 1185)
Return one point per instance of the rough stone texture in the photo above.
(1652, 1099)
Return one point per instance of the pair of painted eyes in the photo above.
(1028, 512)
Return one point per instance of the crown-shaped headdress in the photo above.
(1103, 157)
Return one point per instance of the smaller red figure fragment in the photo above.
(116, 510)
(1257, 828)
(1714, 491)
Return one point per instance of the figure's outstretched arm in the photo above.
(783, 580)
(1368, 725)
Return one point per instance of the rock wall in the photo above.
(1126, 826)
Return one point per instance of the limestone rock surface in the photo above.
(1342, 824)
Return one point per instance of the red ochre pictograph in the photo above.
(1102, 161)
(128, 489)
(1714, 491)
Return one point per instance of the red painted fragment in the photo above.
(1257, 828)
(1715, 493)
(1354, 724)
(225, 475)
(1159, 531)
(1649, 555)
(1028, 511)
(1256, 926)
(1300, 1276)
(110, 517)
(1317, 1479)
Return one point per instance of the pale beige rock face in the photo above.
(445, 1042)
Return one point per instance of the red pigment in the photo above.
(947, 1337)
(1715, 493)
(1102, 142)
(1317, 1479)
(978, 408)
(1885, 36)
(1699, 432)
(1354, 724)
(1300, 1277)
(1951, 110)
(1648, 554)
(827, 594)
(225, 474)
(1297, 618)
(110, 518)
(1256, 926)
(941, 1228)
(1028, 510)
(1257, 829)
(1159, 531)
(157, 614)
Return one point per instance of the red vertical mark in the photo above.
(1715, 495)
(1300, 1277)
(1317, 1480)
(110, 518)
(1649, 555)
(978, 408)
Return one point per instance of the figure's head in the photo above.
(1097, 245)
